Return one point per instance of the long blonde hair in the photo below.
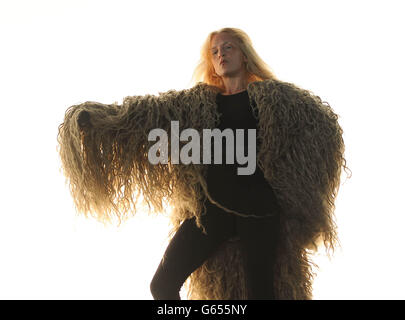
(257, 69)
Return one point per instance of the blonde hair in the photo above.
(257, 69)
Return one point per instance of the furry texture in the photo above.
(301, 154)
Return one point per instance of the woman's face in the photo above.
(227, 58)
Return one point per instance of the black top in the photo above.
(248, 194)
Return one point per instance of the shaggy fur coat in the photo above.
(104, 157)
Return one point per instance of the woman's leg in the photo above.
(258, 243)
(188, 250)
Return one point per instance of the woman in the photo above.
(234, 237)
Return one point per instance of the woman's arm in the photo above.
(104, 148)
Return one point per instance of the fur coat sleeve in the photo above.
(105, 159)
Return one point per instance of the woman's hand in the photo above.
(83, 119)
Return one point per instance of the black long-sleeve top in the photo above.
(248, 194)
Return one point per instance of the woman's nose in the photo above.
(221, 53)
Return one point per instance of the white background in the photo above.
(58, 53)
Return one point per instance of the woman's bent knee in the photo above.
(162, 290)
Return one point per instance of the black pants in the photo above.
(189, 248)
